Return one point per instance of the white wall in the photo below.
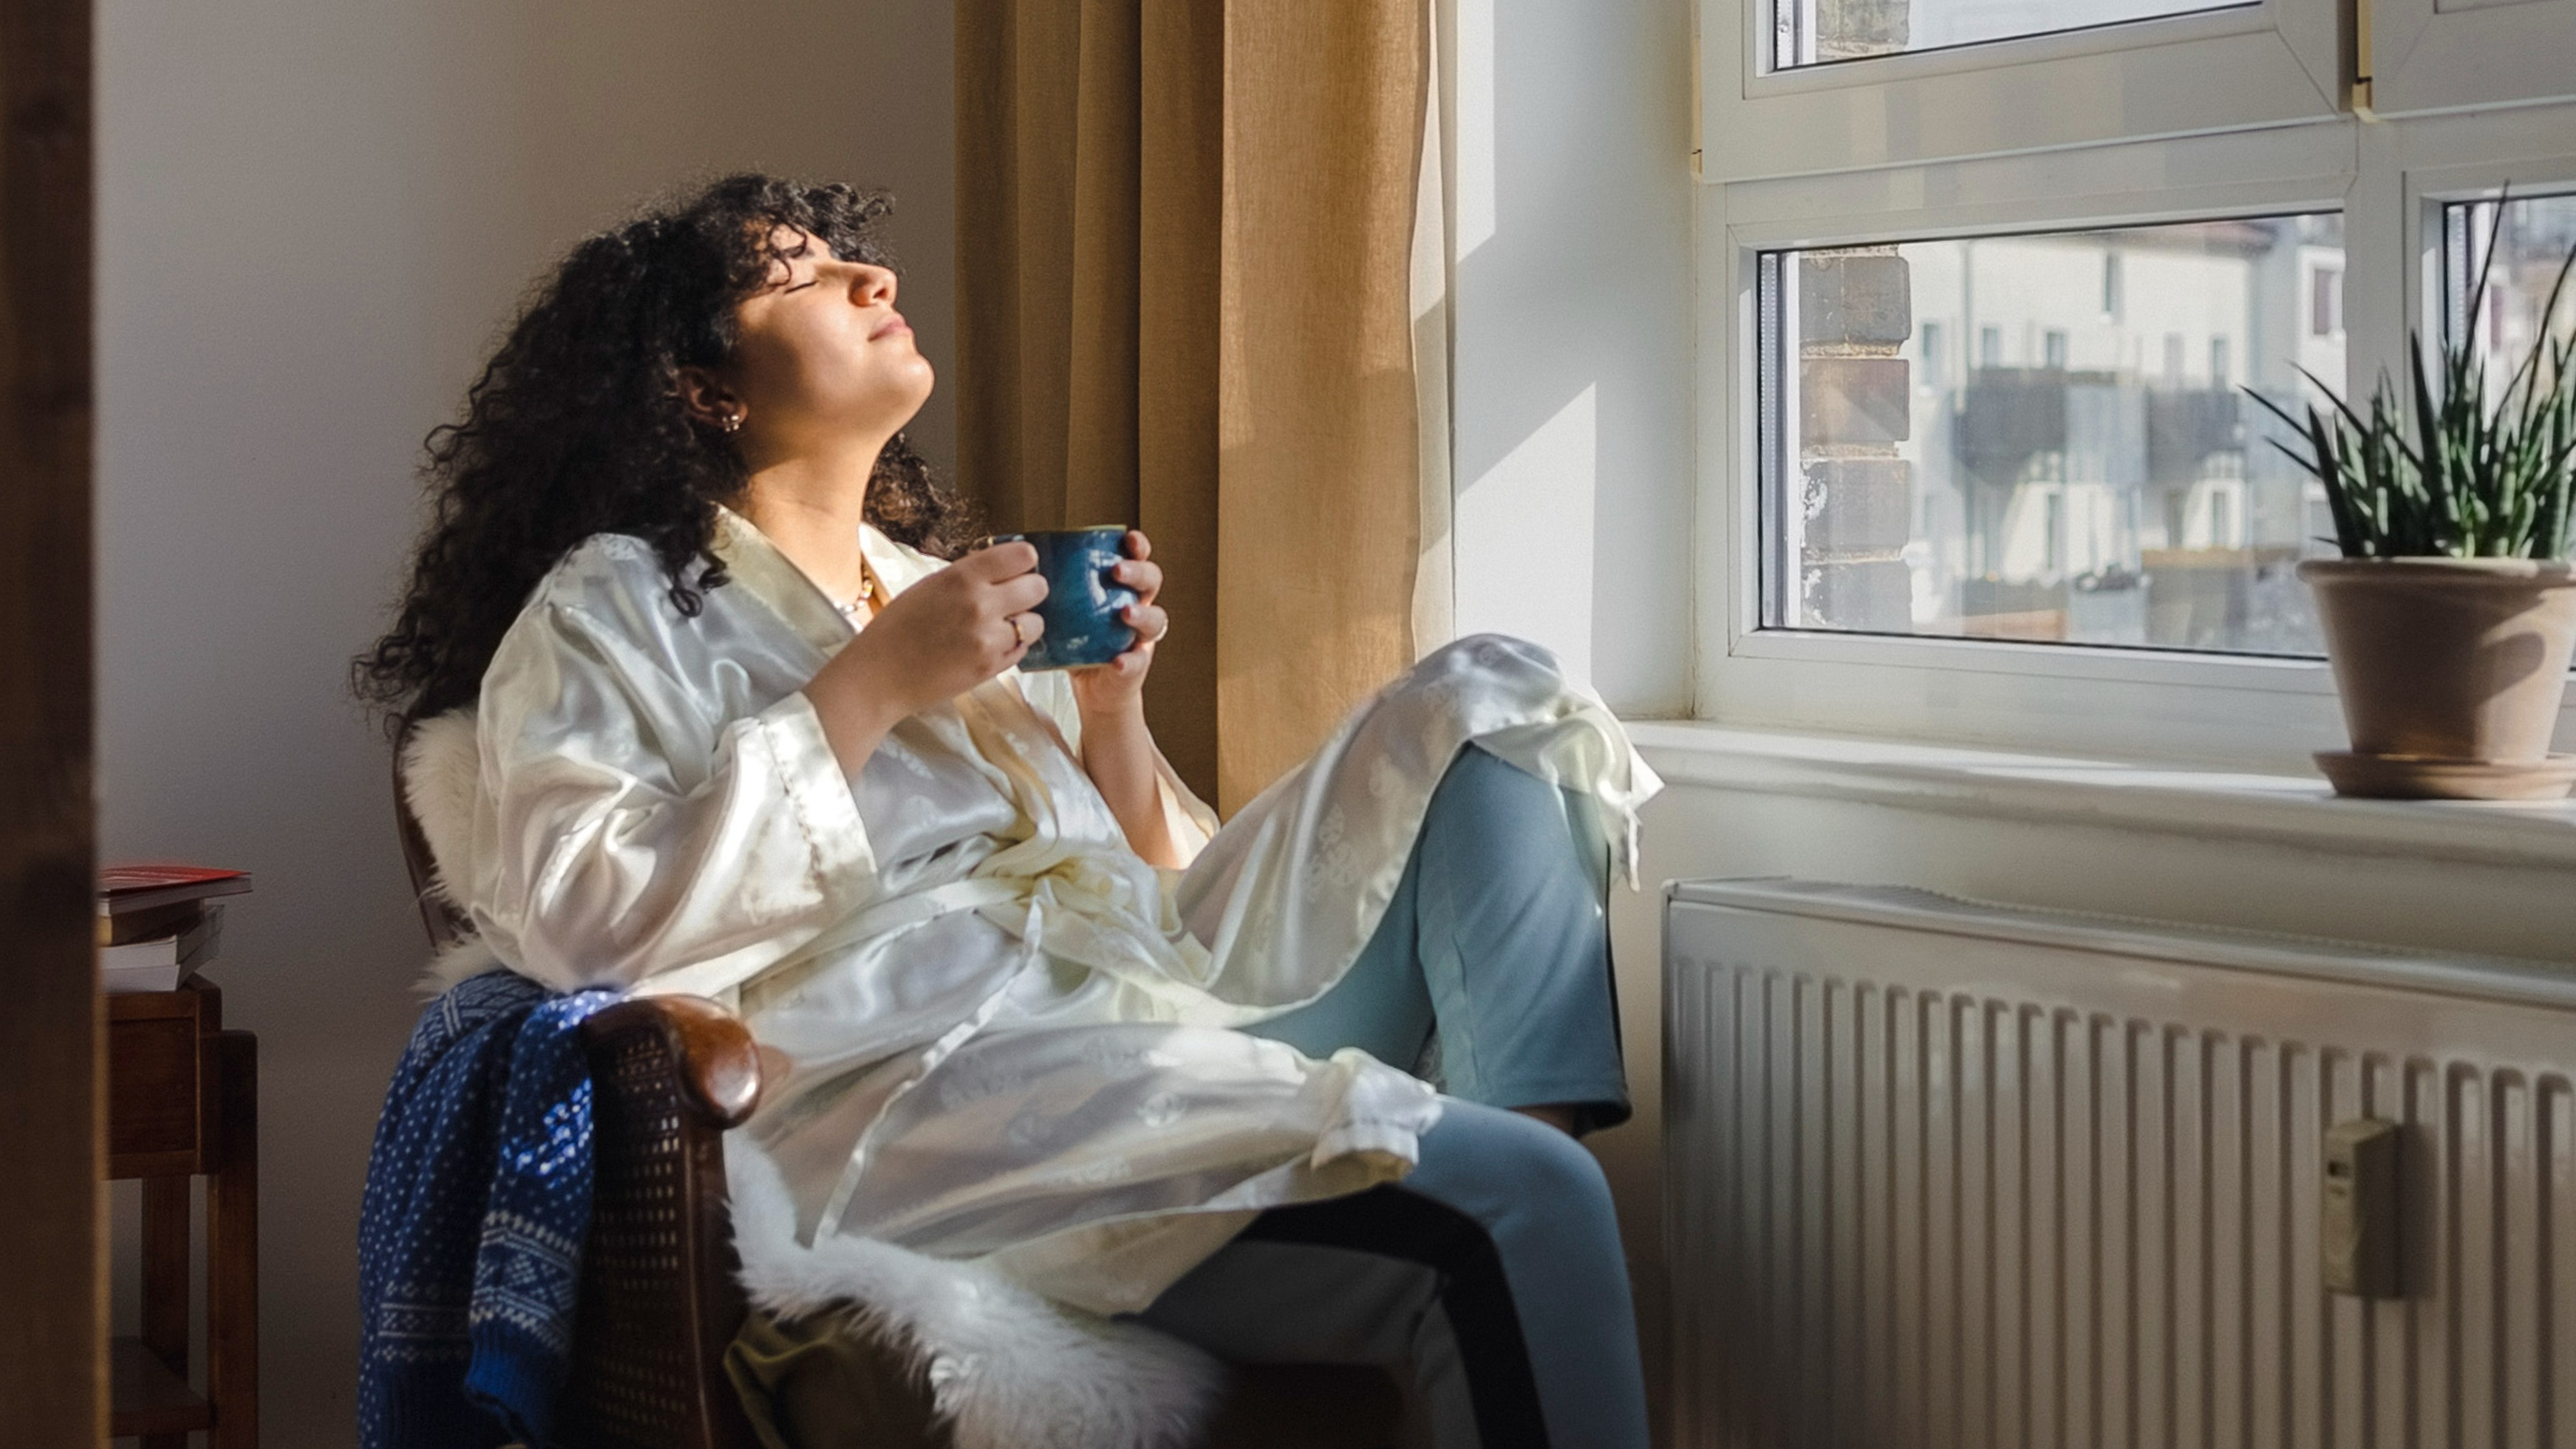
(314, 216)
(1572, 346)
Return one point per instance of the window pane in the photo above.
(1821, 32)
(2086, 476)
(2531, 236)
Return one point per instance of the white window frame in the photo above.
(2391, 181)
(2269, 63)
(2424, 56)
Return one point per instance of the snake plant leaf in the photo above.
(2449, 463)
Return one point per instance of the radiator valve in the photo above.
(2358, 1237)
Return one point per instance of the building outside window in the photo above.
(2085, 500)
(2325, 301)
(1823, 32)
(2530, 237)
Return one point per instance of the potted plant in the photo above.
(2450, 617)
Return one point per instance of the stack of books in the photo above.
(157, 924)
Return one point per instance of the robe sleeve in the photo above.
(631, 836)
(1191, 823)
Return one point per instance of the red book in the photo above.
(123, 889)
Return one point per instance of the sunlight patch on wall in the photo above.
(1524, 532)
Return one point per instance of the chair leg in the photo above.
(166, 1271)
(232, 1251)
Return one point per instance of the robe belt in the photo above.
(723, 977)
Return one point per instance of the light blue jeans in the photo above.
(1494, 954)
(1493, 1274)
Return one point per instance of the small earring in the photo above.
(733, 422)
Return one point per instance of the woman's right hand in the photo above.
(936, 640)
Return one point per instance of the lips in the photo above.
(891, 326)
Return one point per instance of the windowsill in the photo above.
(2290, 810)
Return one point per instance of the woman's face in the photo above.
(821, 355)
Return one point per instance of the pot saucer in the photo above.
(2426, 777)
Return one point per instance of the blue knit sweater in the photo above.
(477, 1202)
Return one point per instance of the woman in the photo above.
(745, 731)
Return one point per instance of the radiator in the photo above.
(1940, 1173)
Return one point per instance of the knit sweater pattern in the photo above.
(477, 1201)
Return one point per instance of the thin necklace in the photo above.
(866, 595)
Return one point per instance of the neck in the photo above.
(811, 506)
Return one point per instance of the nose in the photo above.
(872, 285)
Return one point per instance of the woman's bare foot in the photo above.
(1560, 1115)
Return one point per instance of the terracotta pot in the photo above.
(2448, 659)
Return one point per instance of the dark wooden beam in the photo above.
(53, 1379)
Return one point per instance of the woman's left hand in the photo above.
(1118, 686)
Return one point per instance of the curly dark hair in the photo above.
(577, 427)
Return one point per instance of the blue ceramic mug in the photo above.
(1083, 601)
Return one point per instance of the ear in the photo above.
(707, 400)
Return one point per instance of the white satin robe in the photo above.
(1008, 1037)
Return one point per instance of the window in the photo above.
(2530, 237)
(2082, 501)
(1822, 32)
(1987, 319)
(1803, 87)
(2446, 54)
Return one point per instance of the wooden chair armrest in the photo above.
(718, 1067)
(659, 1300)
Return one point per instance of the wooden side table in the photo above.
(183, 1101)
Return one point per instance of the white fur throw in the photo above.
(1007, 1368)
(442, 771)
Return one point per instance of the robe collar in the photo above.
(760, 567)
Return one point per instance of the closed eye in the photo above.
(787, 260)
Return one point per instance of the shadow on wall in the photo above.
(314, 220)
(1570, 224)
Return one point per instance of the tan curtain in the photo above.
(1186, 270)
